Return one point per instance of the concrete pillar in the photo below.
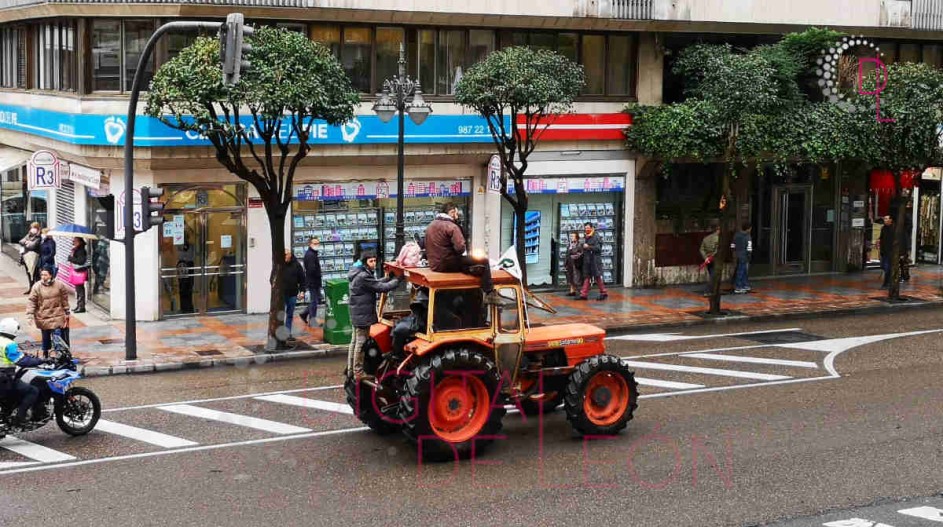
(644, 224)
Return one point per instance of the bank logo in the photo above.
(836, 70)
(350, 130)
(114, 129)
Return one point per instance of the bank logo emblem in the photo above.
(114, 129)
(350, 130)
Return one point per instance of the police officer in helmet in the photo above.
(10, 358)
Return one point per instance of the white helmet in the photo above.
(9, 327)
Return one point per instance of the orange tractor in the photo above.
(444, 364)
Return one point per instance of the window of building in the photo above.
(116, 48)
(909, 53)
(55, 58)
(12, 57)
(389, 39)
(356, 52)
(451, 60)
(593, 58)
(620, 65)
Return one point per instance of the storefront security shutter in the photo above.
(65, 213)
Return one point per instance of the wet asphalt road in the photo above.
(706, 451)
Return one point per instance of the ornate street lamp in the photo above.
(396, 91)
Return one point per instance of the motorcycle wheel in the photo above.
(77, 412)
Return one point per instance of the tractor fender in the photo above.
(422, 348)
(383, 336)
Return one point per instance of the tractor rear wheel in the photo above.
(447, 408)
(370, 409)
(601, 396)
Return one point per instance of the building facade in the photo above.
(66, 68)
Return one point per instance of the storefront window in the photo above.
(558, 207)
(100, 205)
(686, 203)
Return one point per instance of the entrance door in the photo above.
(791, 228)
(203, 264)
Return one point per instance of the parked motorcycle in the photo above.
(76, 409)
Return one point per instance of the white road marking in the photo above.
(16, 464)
(706, 371)
(734, 387)
(140, 434)
(235, 419)
(671, 385)
(230, 398)
(855, 522)
(754, 360)
(307, 403)
(674, 337)
(927, 513)
(33, 451)
(184, 450)
(845, 344)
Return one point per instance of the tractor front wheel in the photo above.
(450, 408)
(601, 396)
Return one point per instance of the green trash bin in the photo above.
(337, 327)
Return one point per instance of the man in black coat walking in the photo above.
(312, 281)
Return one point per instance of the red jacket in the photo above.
(445, 244)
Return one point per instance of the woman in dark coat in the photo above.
(47, 253)
(79, 260)
(574, 264)
(592, 266)
(30, 255)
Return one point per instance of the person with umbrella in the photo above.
(78, 258)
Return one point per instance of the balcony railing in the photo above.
(4, 4)
(927, 14)
(631, 9)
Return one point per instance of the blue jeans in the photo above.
(312, 310)
(290, 303)
(740, 279)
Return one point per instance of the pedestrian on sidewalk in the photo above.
(47, 253)
(293, 287)
(886, 242)
(364, 288)
(708, 252)
(29, 254)
(48, 307)
(79, 260)
(592, 268)
(574, 263)
(312, 266)
(743, 248)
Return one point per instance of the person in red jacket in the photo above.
(445, 251)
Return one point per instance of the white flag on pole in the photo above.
(509, 262)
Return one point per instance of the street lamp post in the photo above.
(393, 100)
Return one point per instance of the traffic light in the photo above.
(232, 47)
(152, 212)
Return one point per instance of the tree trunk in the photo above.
(723, 245)
(277, 332)
(520, 213)
(893, 289)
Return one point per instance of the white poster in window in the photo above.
(179, 238)
(168, 230)
(225, 241)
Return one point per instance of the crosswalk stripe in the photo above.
(671, 385)
(16, 464)
(855, 522)
(307, 403)
(753, 360)
(140, 434)
(927, 513)
(34, 451)
(235, 419)
(705, 371)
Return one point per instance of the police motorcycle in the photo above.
(75, 408)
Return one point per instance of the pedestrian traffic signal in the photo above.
(233, 49)
(152, 212)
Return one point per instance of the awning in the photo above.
(12, 157)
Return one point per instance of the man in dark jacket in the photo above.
(364, 288)
(312, 281)
(887, 246)
(743, 248)
(592, 266)
(47, 253)
(445, 251)
(293, 286)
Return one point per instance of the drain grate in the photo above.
(785, 337)
(208, 353)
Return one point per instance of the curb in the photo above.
(329, 350)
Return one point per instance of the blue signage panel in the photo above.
(104, 130)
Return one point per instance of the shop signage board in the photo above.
(380, 189)
(43, 171)
(109, 130)
(88, 177)
(573, 185)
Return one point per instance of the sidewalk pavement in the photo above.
(207, 341)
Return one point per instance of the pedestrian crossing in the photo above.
(311, 412)
(915, 516)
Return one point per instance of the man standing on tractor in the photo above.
(364, 289)
(445, 251)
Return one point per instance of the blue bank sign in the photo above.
(105, 130)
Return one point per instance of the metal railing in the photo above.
(6, 4)
(927, 14)
(632, 9)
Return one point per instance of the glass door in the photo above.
(225, 269)
(181, 264)
(791, 228)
